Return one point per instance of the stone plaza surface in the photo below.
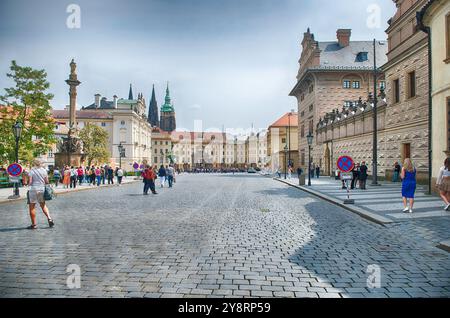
(385, 203)
(214, 236)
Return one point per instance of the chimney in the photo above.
(115, 101)
(97, 100)
(343, 36)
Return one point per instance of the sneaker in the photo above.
(410, 210)
(405, 210)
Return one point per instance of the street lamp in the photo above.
(375, 127)
(17, 131)
(285, 160)
(309, 138)
(121, 151)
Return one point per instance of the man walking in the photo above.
(170, 175)
(119, 174)
(317, 172)
(73, 177)
(110, 173)
(149, 177)
(162, 174)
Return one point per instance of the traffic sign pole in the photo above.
(346, 165)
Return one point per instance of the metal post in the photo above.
(309, 165)
(16, 185)
(375, 128)
(289, 140)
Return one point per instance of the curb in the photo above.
(23, 198)
(381, 220)
(444, 245)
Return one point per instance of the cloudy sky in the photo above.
(230, 63)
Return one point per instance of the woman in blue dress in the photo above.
(408, 176)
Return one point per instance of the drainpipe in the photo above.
(427, 30)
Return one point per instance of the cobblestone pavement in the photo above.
(212, 236)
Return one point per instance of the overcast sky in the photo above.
(229, 62)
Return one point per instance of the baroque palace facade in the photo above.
(332, 76)
(402, 109)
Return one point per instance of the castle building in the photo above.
(167, 122)
(332, 75)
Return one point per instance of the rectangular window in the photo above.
(302, 114)
(156, 160)
(347, 103)
(411, 84)
(447, 36)
(356, 85)
(302, 97)
(311, 107)
(382, 84)
(311, 126)
(156, 151)
(396, 90)
(311, 88)
(346, 84)
(283, 140)
(302, 131)
(103, 124)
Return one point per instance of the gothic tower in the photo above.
(167, 122)
(153, 117)
(130, 93)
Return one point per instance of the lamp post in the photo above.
(289, 137)
(17, 130)
(121, 150)
(375, 128)
(309, 138)
(285, 161)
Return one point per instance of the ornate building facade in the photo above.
(434, 19)
(167, 122)
(332, 75)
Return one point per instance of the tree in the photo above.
(95, 143)
(29, 104)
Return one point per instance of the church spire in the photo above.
(153, 117)
(167, 107)
(130, 93)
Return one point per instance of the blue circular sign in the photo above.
(14, 170)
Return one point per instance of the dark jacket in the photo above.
(363, 172)
(162, 172)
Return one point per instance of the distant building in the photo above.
(168, 122)
(282, 143)
(123, 119)
(332, 76)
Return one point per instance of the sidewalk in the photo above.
(6, 192)
(383, 205)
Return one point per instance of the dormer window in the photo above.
(362, 57)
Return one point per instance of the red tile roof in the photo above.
(284, 120)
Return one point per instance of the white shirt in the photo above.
(38, 176)
(443, 172)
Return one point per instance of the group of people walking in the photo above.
(73, 176)
(164, 173)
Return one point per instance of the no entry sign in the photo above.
(345, 164)
(14, 170)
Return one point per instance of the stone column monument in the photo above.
(70, 147)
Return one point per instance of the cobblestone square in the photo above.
(214, 236)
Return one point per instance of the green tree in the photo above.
(29, 104)
(95, 144)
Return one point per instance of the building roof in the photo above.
(284, 120)
(104, 104)
(82, 114)
(333, 56)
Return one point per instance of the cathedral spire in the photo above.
(130, 93)
(153, 117)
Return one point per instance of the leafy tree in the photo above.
(29, 104)
(95, 144)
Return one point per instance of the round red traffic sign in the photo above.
(14, 170)
(345, 164)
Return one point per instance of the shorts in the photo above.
(35, 196)
(445, 185)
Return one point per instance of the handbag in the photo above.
(48, 193)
